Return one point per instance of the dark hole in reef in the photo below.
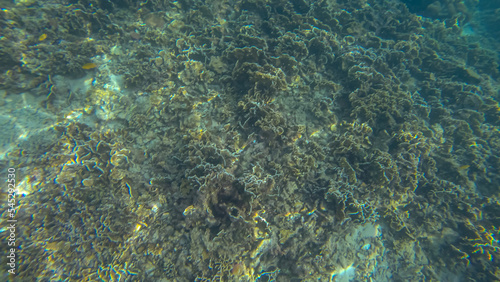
(418, 6)
(423, 189)
(214, 230)
(234, 213)
(300, 6)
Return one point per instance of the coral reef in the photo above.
(254, 140)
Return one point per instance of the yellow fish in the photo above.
(42, 37)
(89, 66)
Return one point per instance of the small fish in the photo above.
(42, 37)
(463, 167)
(89, 66)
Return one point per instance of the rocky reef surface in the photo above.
(251, 140)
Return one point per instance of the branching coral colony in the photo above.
(254, 140)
